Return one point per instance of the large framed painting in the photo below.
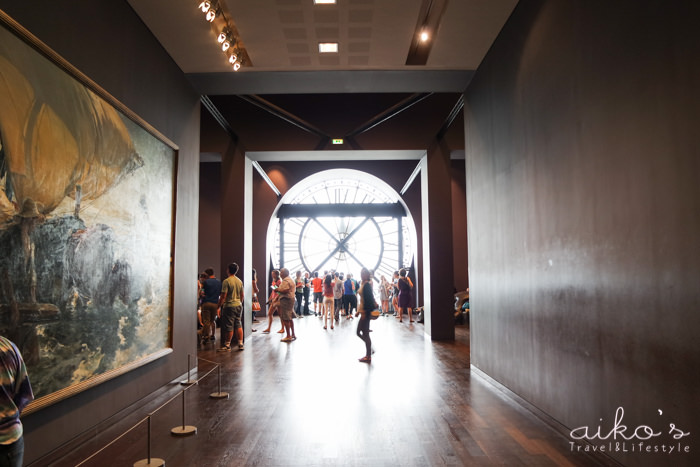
(87, 207)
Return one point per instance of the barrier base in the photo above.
(155, 462)
(184, 430)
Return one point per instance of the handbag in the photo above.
(256, 305)
(374, 314)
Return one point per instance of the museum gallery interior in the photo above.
(543, 154)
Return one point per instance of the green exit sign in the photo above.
(338, 141)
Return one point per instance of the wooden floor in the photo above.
(310, 402)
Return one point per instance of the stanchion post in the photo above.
(184, 430)
(149, 462)
(148, 439)
(219, 395)
(187, 381)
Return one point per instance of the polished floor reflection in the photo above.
(310, 402)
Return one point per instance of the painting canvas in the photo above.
(86, 225)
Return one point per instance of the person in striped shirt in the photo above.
(15, 394)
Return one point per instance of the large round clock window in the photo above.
(342, 220)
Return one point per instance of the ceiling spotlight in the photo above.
(424, 36)
(226, 35)
(225, 41)
(324, 2)
(328, 47)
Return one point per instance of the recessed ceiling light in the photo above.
(424, 36)
(324, 2)
(328, 47)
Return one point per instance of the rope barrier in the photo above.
(113, 441)
(184, 430)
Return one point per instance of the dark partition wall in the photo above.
(459, 226)
(109, 43)
(583, 192)
(210, 217)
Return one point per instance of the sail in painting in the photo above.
(58, 139)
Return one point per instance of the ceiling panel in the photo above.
(333, 92)
(274, 32)
(467, 30)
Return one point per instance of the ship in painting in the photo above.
(58, 141)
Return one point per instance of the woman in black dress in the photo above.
(405, 286)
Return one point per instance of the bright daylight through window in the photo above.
(343, 220)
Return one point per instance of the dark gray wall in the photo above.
(109, 43)
(210, 218)
(459, 225)
(438, 253)
(583, 153)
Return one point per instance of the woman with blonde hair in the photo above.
(328, 300)
(273, 303)
(384, 294)
(256, 291)
(395, 293)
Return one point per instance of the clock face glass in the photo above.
(343, 244)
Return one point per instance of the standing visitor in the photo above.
(285, 308)
(272, 302)
(298, 294)
(395, 293)
(211, 289)
(15, 394)
(366, 306)
(231, 309)
(256, 303)
(318, 293)
(384, 294)
(328, 300)
(200, 293)
(307, 283)
(405, 286)
(350, 295)
(338, 292)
